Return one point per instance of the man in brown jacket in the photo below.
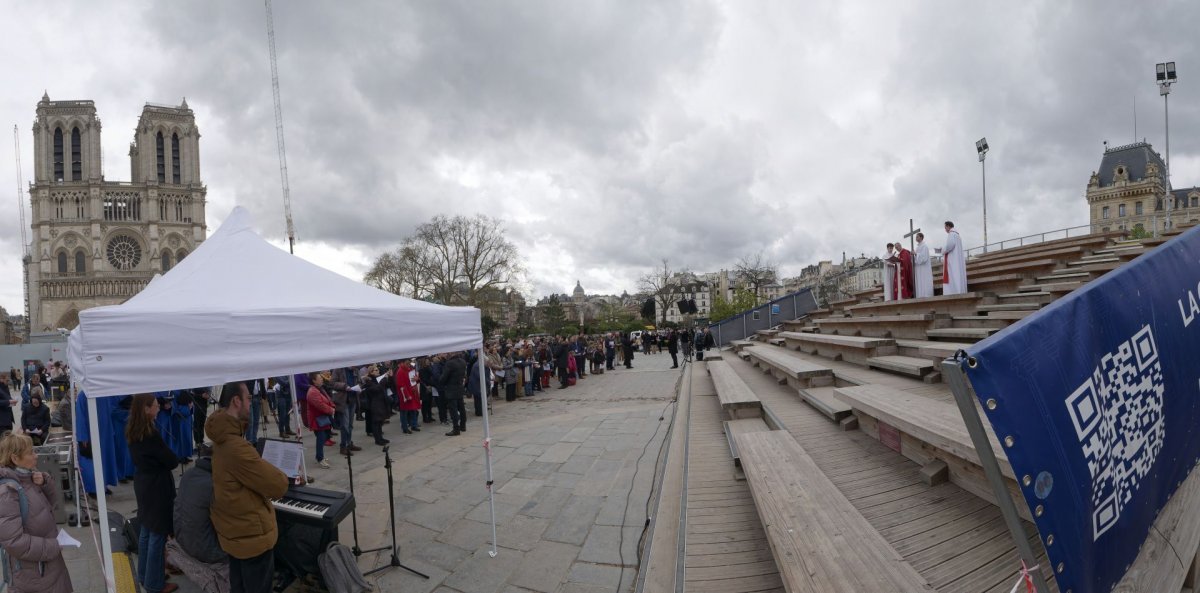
(243, 486)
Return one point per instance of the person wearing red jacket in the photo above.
(408, 396)
(320, 414)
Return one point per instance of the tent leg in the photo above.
(487, 443)
(98, 461)
(299, 425)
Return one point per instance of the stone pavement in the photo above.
(573, 472)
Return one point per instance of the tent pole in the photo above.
(487, 442)
(101, 497)
(75, 432)
(299, 424)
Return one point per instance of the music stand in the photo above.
(354, 514)
(394, 561)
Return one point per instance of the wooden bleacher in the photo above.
(736, 398)
(820, 541)
(874, 366)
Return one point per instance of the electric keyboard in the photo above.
(304, 504)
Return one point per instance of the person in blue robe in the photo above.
(104, 407)
(181, 426)
(120, 448)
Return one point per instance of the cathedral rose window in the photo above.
(124, 253)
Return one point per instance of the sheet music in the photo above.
(284, 455)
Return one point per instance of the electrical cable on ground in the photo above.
(633, 483)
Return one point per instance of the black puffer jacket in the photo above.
(193, 527)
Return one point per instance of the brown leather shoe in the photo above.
(354, 447)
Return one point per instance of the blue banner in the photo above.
(1096, 400)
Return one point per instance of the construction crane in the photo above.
(25, 259)
(283, 172)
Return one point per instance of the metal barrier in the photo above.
(764, 316)
(1031, 239)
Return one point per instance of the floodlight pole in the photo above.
(982, 148)
(1166, 77)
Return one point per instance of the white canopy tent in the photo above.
(239, 308)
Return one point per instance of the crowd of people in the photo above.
(218, 525)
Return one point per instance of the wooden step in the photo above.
(1052, 278)
(962, 333)
(979, 321)
(733, 428)
(939, 350)
(917, 367)
(1052, 287)
(1010, 315)
(825, 402)
(819, 540)
(1010, 307)
(1095, 259)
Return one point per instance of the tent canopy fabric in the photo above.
(239, 307)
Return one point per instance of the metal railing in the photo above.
(1031, 239)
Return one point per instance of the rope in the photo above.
(1024, 577)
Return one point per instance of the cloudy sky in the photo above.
(609, 135)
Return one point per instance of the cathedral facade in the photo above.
(1128, 192)
(98, 242)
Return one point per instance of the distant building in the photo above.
(1128, 192)
(98, 242)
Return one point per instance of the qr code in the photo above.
(1118, 417)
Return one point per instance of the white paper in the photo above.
(65, 540)
(285, 456)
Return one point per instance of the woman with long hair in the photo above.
(320, 415)
(31, 538)
(154, 489)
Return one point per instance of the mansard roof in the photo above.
(1135, 157)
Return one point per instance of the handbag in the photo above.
(324, 421)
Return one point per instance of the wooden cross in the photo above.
(911, 233)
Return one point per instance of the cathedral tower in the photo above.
(97, 242)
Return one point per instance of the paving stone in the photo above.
(545, 567)
(398, 579)
(577, 435)
(599, 478)
(577, 464)
(601, 545)
(506, 507)
(466, 534)
(573, 523)
(547, 503)
(480, 573)
(600, 575)
(522, 532)
(539, 470)
(558, 452)
(521, 487)
(437, 515)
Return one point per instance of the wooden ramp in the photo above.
(955, 540)
(726, 549)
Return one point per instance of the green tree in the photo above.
(743, 300)
(1139, 232)
(489, 325)
(555, 317)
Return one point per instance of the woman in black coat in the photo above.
(35, 420)
(154, 488)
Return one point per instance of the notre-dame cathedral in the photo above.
(97, 242)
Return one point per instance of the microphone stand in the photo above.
(354, 514)
(395, 560)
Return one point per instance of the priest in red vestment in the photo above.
(903, 282)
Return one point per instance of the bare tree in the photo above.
(488, 259)
(755, 271)
(663, 287)
(457, 260)
(403, 271)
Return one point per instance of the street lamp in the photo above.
(981, 147)
(1165, 76)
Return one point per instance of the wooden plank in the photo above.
(877, 319)
(735, 397)
(795, 367)
(917, 367)
(1166, 555)
(850, 341)
(824, 400)
(820, 540)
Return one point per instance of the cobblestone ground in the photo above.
(573, 470)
